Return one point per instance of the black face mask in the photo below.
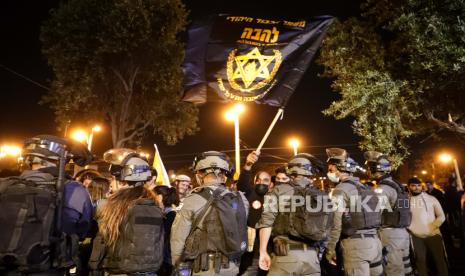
(261, 189)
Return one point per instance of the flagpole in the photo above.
(276, 117)
(237, 147)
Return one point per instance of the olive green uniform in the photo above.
(301, 258)
(362, 251)
(192, 206)
(396, 241)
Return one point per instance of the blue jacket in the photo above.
(77, 210)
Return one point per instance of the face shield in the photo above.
(43, 148)
(117, 156)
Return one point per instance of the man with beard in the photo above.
(255, 193)
(427, 217)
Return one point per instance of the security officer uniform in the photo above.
(393, 233)
(361, 250)
(192, 211)
(293, 254)
(76, 207)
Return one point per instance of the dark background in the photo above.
(21, 115)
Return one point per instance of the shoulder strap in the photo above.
(393, 184)
(205, 193)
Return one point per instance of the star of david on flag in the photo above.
(249, 59)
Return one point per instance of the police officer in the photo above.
(193, 246)
(294, 254)
(130, 238)
(355, 227)
(43, 154)
(395, 218)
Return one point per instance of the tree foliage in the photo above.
(119, 60)
(400, 70)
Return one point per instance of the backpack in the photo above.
(400, 215)
(221, 226)
(29, 241)
(140, 245)
(313, 224)
(362, 219)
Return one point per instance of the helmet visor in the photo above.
(37, 145)
(136, 169)
(116, 156)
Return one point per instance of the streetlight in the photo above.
(79, 135)
(294, 143)
(424, 172)
(10, 150)
(96, 128)
(446, 158)
(233, 115)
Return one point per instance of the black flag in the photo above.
(249, 59)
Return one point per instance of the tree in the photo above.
(400, 70)
(119, 60)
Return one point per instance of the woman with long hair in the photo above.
(130, 222)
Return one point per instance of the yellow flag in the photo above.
(163, 178)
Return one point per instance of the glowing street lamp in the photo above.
(294, 143)
(446, 158)
(79, 135)
(424, 172)
(233, 115)
(10, 151)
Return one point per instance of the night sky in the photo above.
(22, 116)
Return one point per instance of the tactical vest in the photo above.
(282, 222)
(29, 239)
(310, 222)
(221, 225)
(139, 248)
(400, 215)
(314, 219)
(360, 218)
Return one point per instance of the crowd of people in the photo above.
(266, 223)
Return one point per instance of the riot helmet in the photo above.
(377, 162)
(340, 158)
(211, 161)
(304, 164)
(128, 165)
(49, 148)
